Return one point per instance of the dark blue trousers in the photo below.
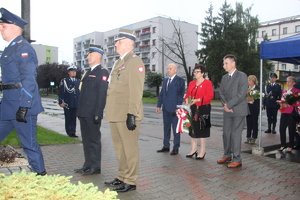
(27, 135)
(91, 140)
(70, 120)
(272, 114)
(170, 121)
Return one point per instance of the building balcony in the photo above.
(86, 45)
(78, 57)
(146, 60)
(78, 48)
(145, 37)
(145, 48)
(136, 49)
(110, 43)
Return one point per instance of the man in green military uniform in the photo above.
(124, 109)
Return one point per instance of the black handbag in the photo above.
(203, 114)
(295, 114)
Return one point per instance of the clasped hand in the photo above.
(226, 109)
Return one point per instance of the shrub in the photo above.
(22, 185)
(148, 93)
(7, 154)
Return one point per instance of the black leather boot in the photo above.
(274, 129)
(269, 129)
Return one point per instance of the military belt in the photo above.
(11, 86)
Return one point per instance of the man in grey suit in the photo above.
(233, 91)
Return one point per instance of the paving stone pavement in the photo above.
(165, 177)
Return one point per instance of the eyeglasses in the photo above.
(196, 72)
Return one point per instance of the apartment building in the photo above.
(149, 44)
(46, 54)
(277, 29)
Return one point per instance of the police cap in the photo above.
(72, 68)
(10, 18)
(273, 74)
(95, 48)
(125, 33)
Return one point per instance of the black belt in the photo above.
(11, 86)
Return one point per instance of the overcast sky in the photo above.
(58, 22)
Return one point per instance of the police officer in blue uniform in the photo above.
(68, 99)
(21, 102)
(273, 93)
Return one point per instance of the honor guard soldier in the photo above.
(21, 102)
(68, 99)
(273, 93)
(90, 110)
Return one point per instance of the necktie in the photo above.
(168, 84)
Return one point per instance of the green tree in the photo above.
(154, 79)
(52, 72)
(232, 31)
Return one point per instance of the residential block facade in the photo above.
(149, 46)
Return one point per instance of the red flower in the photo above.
(189, 125)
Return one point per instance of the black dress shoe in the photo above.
(297, 146)
(91, 171)
(124, 187)
(114, 182)
(72, 135)
(80, 170)
(174, 152)
(163, 150)
(41, 173)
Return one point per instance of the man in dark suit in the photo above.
(68, 99)
(21, 102)
(273, 93)
(170, 96)
(90, 110)
(233, 90)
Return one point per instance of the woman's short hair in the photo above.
(292, 78)
(202, 68)
(253, 78)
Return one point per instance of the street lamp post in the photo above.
(162, 49)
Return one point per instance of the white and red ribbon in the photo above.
(181, 115)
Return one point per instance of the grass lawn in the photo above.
(44, 136)
(150, 100)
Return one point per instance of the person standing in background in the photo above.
(170, 96)
(273, 93)
(68, 99)
(21, 102)
(253, 104)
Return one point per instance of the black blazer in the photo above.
(93, 93)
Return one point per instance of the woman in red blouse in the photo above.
(200, 92)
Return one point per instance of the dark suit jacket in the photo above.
(174, 96)
(233, 93)
(93, 93)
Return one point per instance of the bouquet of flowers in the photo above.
(185, 124)
(290, 98)
(252, 95)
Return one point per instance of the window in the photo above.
(283, 66)
(153, 42)
(147, 67)
(48, 59)
(285, 30)
(153, 68)
(273, 32)
(153, 29)
(263, 33)
(137, 33)
(105, 41)
(296, 67)
(257, 34)
(297, 29)
(48, 51)
(153, 54)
